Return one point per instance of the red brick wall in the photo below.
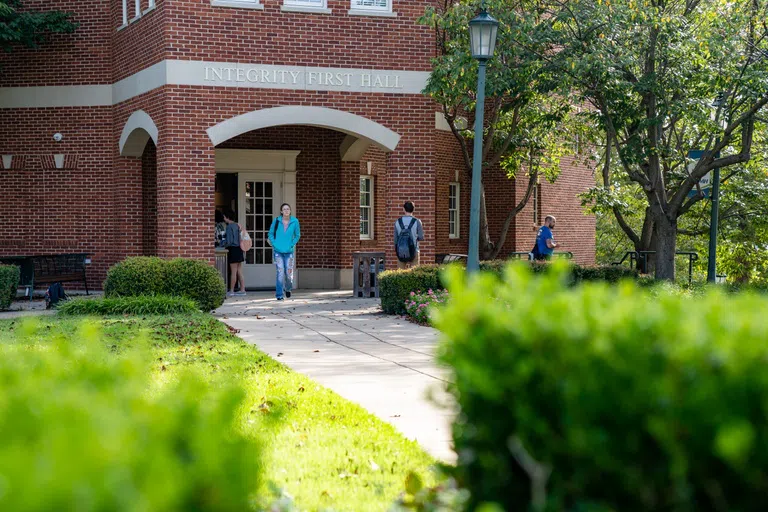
(49, 210)
(149, 199)
(199, 31)
(67, 59)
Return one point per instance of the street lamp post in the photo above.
(482, 40)
(715, 214)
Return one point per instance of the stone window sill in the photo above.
(366, 12)
(310, 10)
(237, 4)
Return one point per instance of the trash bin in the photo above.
(366, 267)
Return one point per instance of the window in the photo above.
(319, 4)
(137, 12)
(372, 5)
(453, 210)
(366, 208)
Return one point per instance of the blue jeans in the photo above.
(284, 263)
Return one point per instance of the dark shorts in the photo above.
(236, 255)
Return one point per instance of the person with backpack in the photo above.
(284, 234)
(234, 239)
(545, 243)
(408, 233)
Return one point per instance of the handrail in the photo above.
(520, 254)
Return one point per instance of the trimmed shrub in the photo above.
(395, 286)
(180, 277)
(9, 281)
(139, 305)
(604, 397)
(88, 430)
(197, 280)
(138, 275)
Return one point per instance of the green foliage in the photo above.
(84, 429)
(9, 281)
(138, 305)
(180, 277)
(197, 280)
(30, 28)
(604, 397)
(396, 286)
(139, 275)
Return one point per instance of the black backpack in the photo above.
(405, 247)
(54, 294)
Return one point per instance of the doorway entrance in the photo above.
(264, 179)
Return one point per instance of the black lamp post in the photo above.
(482, 40)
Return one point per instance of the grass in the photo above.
(325, 451)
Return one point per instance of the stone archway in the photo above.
(361, 132)
(138, 129)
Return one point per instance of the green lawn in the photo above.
(323, 450)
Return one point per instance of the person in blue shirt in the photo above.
(284, 234)
(544, 239)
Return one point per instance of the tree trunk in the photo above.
(486, 244)
(666, 244)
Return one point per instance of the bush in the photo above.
(604, 398)
(395, 286)
(140, 305)
(9, 281)
(88, 430)
(197, 280)
(180, 277)
(417, 306)
(139, 275)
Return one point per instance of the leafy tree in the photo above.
(30, 28)
(651, 70)
(527, 129)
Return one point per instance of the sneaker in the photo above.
(279, 298)
(288, 294)
(230, 294)
(241, 294)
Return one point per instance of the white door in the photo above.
(259, 196)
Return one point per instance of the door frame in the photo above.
(271, 163)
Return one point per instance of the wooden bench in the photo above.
(50, 268)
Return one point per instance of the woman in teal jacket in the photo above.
(283, 235)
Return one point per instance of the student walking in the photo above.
(408, 233)
(232, 239)
(283, 236)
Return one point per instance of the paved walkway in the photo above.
(379, 361)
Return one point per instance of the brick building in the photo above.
(170, 108)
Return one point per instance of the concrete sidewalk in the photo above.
(379, 361)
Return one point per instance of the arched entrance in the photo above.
(311, 158)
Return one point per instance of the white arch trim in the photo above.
(345, 122)
(137, 131)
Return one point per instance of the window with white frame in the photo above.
(372, 5)
(137, 10)
(366, 207)
(315, 4)
(454, 192)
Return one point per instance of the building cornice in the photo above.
(217, 74)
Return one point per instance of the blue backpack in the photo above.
(405, 247)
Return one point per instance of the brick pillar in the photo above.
(186, 174)
(127, 208)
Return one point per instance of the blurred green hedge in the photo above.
(600, 398)
(85, 430)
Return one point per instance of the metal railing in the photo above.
(568, 255)
(639, 260)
